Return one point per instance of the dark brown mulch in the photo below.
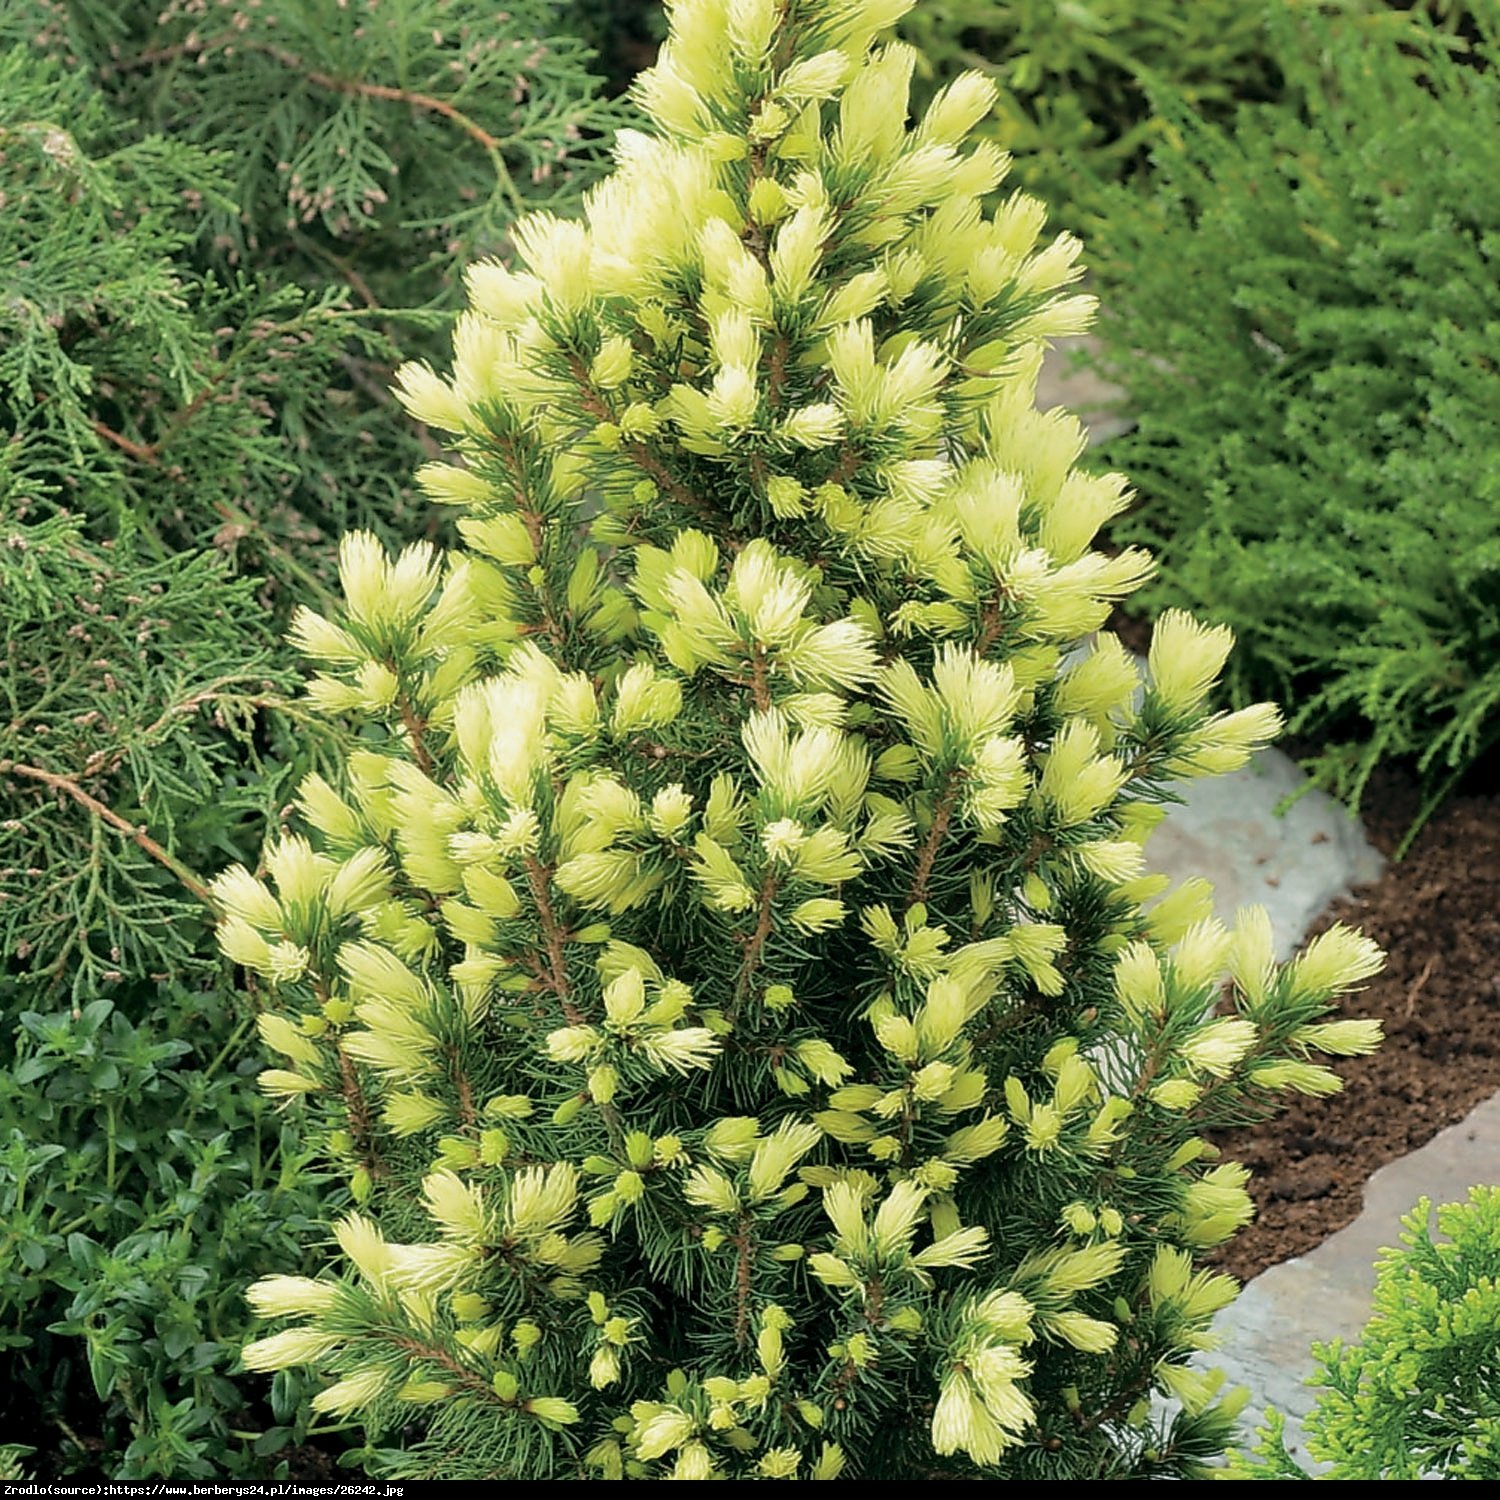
(1437, 915)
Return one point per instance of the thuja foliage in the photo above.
(1418, 1396)
(1304, 322)
(181, 365)
(114, 665)
(133, 691)
(145, 392)
(141, 1183)
(192, 388)
(189, 382)
(373, 145)
(724, 975)
(137, 393)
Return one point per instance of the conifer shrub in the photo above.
(1304, 320)
(726, 974)
(192, 377)
(367, 146)
(1417, 1396)
(192, 390)
(151, 408)
(131, 718)
(1074, 82)
(142, 1182)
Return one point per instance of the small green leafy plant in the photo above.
(727, 975)
(141, 1184)
(1304, 319)
(1418, 1397)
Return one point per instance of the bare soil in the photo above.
(1436, 912)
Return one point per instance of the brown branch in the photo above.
(1416, 988)
(416, 728)
(758, 684)
(539, 878)
(992, 627)
(668, 482)
(536, 531)
(466, 1112)
(531, 517)
(472, 1382)
(997, 1028)
(1149, 1072)
(355, 1103)
(755, 944)
(323, 80)
(357, 283)
(360, 88)
(150, 453)
(780, 349)
(360, 1125)
(849, 461)
(145, 453)
(107, 814)
(102, 761)
(742, 1245)
(1127, 1398)
(940, 820)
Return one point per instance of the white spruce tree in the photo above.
(728, 974)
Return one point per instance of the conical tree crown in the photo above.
(725, 976)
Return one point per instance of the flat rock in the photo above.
(1066, 381)
(1294, 863)
(1268, 1332)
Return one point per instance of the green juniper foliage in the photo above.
(114, 667)
(159, 408)
(141, 1182)
(234, 206)
(1305, 322)
(147, 392)
(723, 975)
(134, 724)
(193, 389)
(1417, 1396)
(375, 145)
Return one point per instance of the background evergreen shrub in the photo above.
(205, 240)
(1074, 81)
(1304, 311)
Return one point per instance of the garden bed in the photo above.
(1436, 912)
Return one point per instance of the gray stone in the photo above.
(1065, 381)
(1293, 863)
(1325, 1294)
